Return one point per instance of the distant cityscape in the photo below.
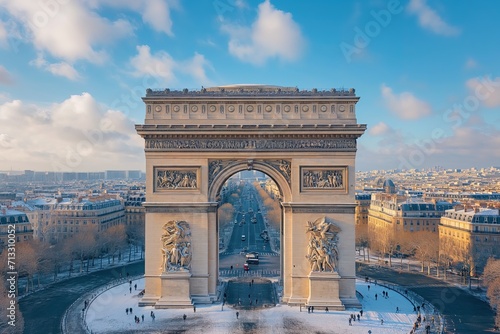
(459, 208)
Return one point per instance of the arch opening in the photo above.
(249, 222)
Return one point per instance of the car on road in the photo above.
(243, 237)
(246, 267)
(252, 255)
(252, 261)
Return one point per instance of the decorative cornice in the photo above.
(319, 208)
(230, 128)
(242, 144)
(181, 207)
(248, 90)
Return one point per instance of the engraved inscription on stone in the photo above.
(178, 178)
(322, 178)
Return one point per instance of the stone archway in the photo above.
(304, 140)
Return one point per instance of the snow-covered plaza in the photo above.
(107, 313)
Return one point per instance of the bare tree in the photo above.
(83, 247)
(135, 237)
(383, 241)
(405, 248)
(362, 241)
(491, 278)
(27, 260)
(426, 245)
(226, 215)
(115, 240)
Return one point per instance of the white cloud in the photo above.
(195, 67)
(62, 69)
(429, 19)
(274, 34)
(405, 105)
(162, 66)
(485, 90)
(156, 13)
(474, 145)
(76, 134)
(68, 30)
(379, 129)
(5, 76)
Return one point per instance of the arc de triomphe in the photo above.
(304, 140)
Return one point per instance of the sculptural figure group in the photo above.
(322, 250)
(176, 246)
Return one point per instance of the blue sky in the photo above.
(72, 73)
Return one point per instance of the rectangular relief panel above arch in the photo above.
(176, 178)
(324, 178)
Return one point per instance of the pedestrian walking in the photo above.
(135, 286)
(142, 318)
(376, 296)
(397, 309)
(368, 288)
(130, 289)
(194, 308)
(326, 309)
(184, 317)
(237, 314)
(312, 309)
(309, 309)
(381, 321)
(130, 310)
(358, 317)
(126, 311)
(350, 321)
(151, 314)
(387, 294)
(361, 312)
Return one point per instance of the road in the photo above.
(249, 222)
(463, 313)
(43, 310)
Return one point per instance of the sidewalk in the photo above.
(474, 288)
(107, 314)
(47, 279)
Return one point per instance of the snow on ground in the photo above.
(107, 314)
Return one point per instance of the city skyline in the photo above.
(72, 74)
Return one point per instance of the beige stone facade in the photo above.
(304, 140)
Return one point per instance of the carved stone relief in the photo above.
(281, 166)
(322, 178)
(179, 178)
(250, 144)
(176, 246)
(322, 250)
(215, 167)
